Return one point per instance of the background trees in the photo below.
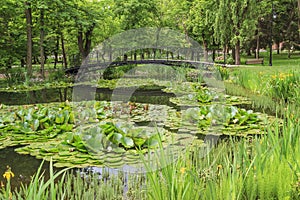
(65, 31)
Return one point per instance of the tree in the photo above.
(136, 13)
(235, 21)
(7, 50)
(42, 36)
(299, 18)
(201, 21)
(29, 37)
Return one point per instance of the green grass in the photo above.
(280, 63)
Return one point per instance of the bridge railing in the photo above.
(106, 55)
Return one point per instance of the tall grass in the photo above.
(249, 168)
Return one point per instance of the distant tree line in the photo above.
(65, 31)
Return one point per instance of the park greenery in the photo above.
(191, 141)
(63, 32)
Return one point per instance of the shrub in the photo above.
(14, 75)
(116, 72)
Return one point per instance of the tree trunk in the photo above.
(63, 51)
(233, 53)
(257, 46)
(299, 17)
(205, 51)
(23, 62)
(224, 54)
(29, 38)
(289, 49)
(278, 47)
(80, 43)
(56, 51)
(237, 53)
(42, 36)
(85, 41)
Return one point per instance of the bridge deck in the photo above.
(102, 65)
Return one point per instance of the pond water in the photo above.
(25, 166)
(155, 96)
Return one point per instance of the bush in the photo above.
(222, 73)
(116, 72)
(14, 75)
(285, 86)
(58, 75)
(229, 60)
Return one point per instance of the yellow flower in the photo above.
(8, 173)
(182, 170)
(219, 167)
(273, 76)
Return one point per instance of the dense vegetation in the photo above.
(240, 144)
(65, 31)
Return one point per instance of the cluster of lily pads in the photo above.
(225, 120)
(97, 133)
(86, 132)
(204, 96)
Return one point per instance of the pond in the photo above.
(24, 166)
(114, 134)
(152, 96)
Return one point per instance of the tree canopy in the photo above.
(43, 31)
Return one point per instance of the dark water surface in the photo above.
(23, 166)
(155, 96)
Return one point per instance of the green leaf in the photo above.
(117, 138)
(35, 124)
(127, 142)
(139, 141)
(152, 142)
(66, 127)
(59, 119)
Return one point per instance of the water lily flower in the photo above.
(8, 173)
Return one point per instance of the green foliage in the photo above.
(39, 188)
(285, 87)
(57, 75)
(14, 76)
(108, 135)
(231, 117)
(117, 72)
(136, 13)
(222, 73)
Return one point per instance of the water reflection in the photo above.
(23, 166)
(155, 96)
